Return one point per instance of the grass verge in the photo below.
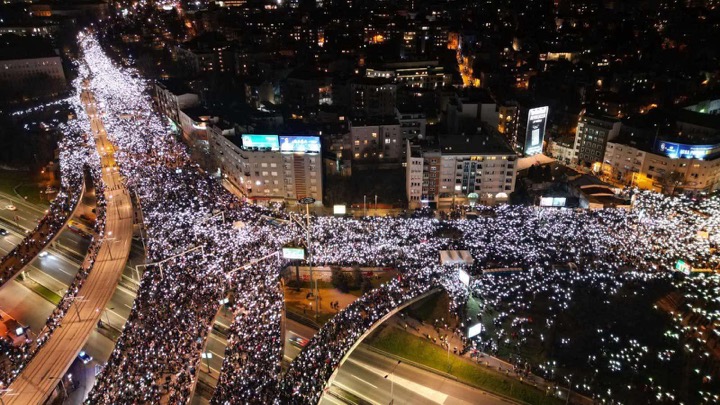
(43, 291)
(416, 349)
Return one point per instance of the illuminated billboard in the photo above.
(683, 267)
(339, 209)
(535, 133)
(552, 201)
(675, 150)
(475, 330)
(260, 141)
(302, 144)
(293, 253)
(464, 277)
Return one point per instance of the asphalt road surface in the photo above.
(39, 378)
(363, 375)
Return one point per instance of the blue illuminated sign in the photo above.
(260, 141)
(678, 150)
(303, 144)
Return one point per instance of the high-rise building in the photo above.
(592, 135)
(373, 97)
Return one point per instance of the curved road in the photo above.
(39, 378)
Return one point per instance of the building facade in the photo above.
(373, 97)
(657, 170)
(460, 170)
(20, 72)
(592, 135)
(375, 139)
(270, 167)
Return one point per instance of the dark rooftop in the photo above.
(484, 143)
(175, 86)
(17, 47)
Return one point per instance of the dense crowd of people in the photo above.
(200, 257)
(251, 365)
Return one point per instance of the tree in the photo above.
(670, 181)
(340, 280)
(366, 285)
(357, 278)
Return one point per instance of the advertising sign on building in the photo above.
(260, 141)
(300, 144)
(535, 133)
(682, 151)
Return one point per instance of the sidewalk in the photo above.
(299, 302)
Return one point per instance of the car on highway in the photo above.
(299, 341)
(84, 357)
(43, 253)
(3, 232)
(11, 207)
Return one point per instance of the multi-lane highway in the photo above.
(363, 375)
(38, 379)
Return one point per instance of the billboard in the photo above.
(675, 150)
(293, 253)
(475, 330)
(260, 141)
(535, 132)
(464, 277)
(339, 209)
(552, 201)
(683, 267)
(302, 144)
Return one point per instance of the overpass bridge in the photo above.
(42, 374)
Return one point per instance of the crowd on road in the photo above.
(203, 240)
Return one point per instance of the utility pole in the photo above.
(364, 205)
(376, 204)
(306, 202)
(392, 382)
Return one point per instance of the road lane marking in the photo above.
(365, 382)
(429, 393)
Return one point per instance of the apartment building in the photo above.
(270, 167)
(459, 169)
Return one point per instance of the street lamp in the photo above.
(392, 382)
(111, 240)
(6, 391)
(207, 356)
(78, 298)
(306, 202)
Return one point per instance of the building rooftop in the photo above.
(175, 86)
(17, 47)
(484, 143)
(373, 121)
